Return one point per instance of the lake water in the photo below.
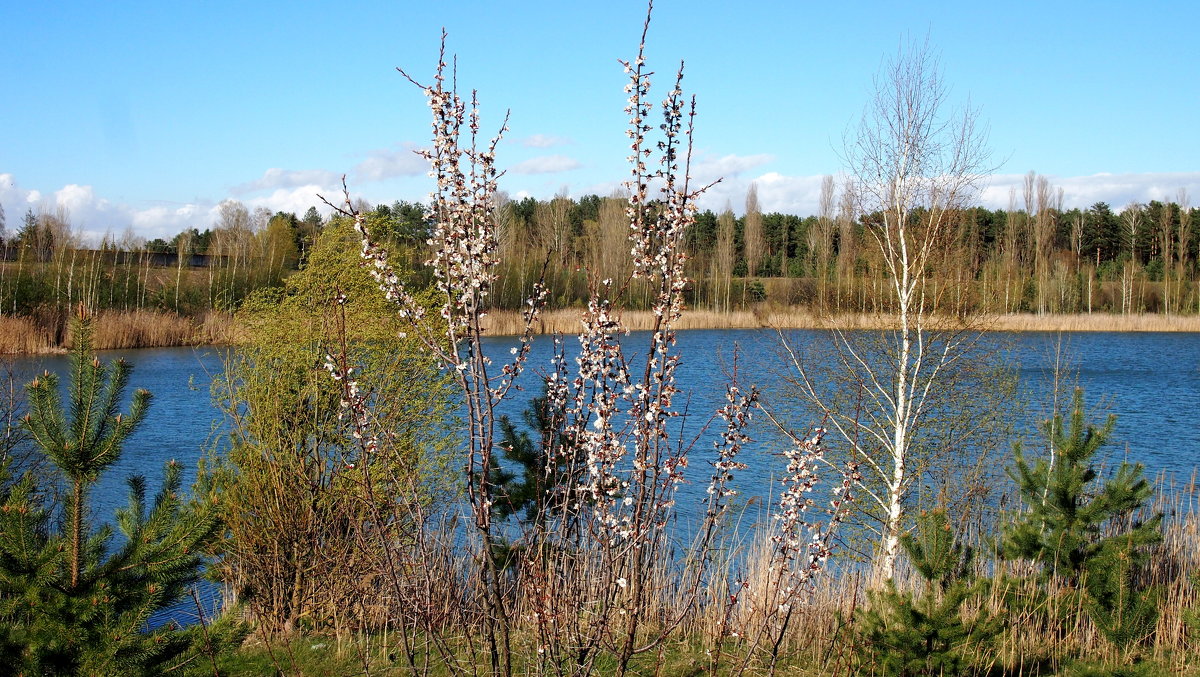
(1150, 381)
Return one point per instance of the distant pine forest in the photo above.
(1034, 257)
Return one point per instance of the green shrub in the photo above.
(944, 630)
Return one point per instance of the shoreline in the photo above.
(158, 329)
(49, 334)
(509, 323)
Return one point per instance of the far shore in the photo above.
(156, 329)
(508, 323)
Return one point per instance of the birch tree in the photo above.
(1043, 203)
(608, 256)
(722, 268)
(914, 164)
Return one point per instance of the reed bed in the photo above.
(1096, 322)
(218, 328)
(141, 329)
(47, 332)
(822, 641)
(25, 335)
(509, 323)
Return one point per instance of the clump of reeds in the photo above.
(47, 331)
(141, 329)
(23, 335)
(219, 328)
(1096, 322)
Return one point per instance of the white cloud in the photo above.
(707, 169)
(545, 164)
(79, 200)
(287, 178)
(297, 200)
(1117, 190)
(776, 193)
(544, 141)
(92, 216)
(385, 164)
(166, 221)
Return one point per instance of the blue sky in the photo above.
(147, 115)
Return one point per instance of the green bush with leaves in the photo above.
(309, 516)
(945, 630)
(71, 600)
(1086, 533)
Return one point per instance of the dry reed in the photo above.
(24, 335)
(141, 328)
(47, 332)
(509, 323)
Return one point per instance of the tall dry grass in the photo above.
(1035, 634)
(24, 335)
(818, 637)
(509, 323)
(1057, 627)
(47, 332)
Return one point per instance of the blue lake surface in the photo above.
(1151, 381)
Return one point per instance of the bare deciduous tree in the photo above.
(722, 269)
(752, 232)
(914, 166)
(608, 255)
(553, 224)
(1183, 244)
(820, 240)
(847, 249)
(1042, 206)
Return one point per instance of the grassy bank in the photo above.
(48, 332)
(505, 322)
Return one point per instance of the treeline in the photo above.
(49, 269)
(1033, 257)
